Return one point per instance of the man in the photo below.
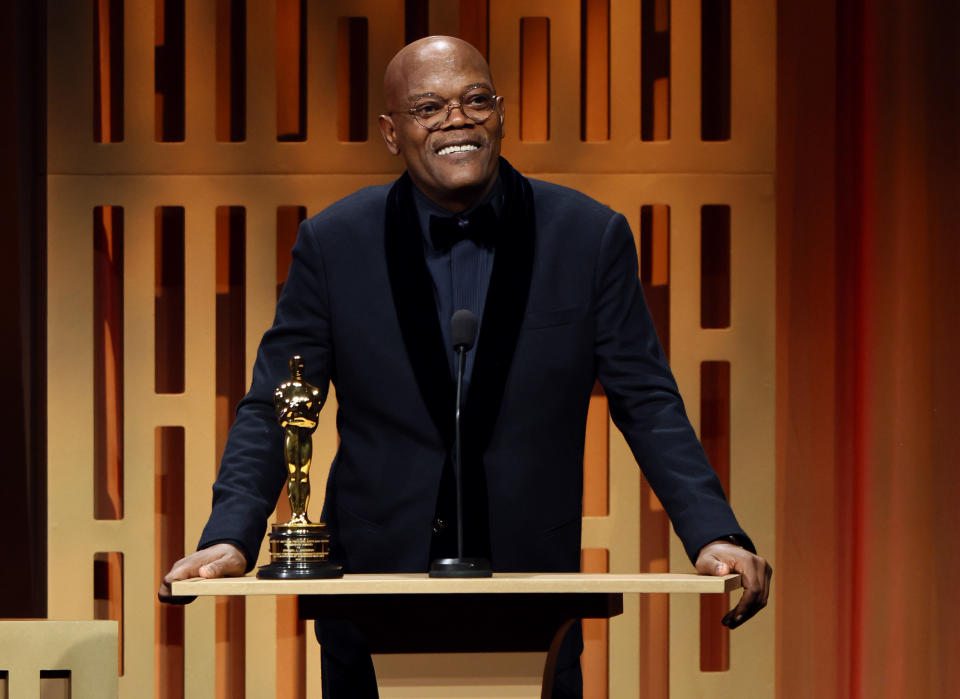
(373, 283)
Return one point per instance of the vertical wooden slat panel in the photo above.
(474, 26)
(288, 223)
(291, 70)
(352, 68)
(263, 58)
(200, 73)
(594, 70)
(291, 631)
(715, 70)
(654, 665)
(715, 436)
(596, 457)
(322, 70)
(230, 383)
(715, 266)
(534, 79)
(594, 661)
(170, 70)
(416, 19)
(169, 330)
(108, 71)
(260, 290)
(168, 509)
(685, 73)
(655, 70)
(654, 524)
(108, 362)
(654, 251)
(231, 70)
(108, 594)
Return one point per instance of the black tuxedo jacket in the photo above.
(564, 307)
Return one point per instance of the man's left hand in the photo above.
(723, 558)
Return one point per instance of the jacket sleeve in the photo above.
(252, 472)
(645, 403)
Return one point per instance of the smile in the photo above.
(457, 149)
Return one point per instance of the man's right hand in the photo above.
(217, 561)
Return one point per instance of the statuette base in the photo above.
(299, 552)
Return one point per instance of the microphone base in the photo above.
(461, 568)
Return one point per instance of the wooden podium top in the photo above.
(420, 584)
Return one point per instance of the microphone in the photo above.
(463, 330)
(463, 334)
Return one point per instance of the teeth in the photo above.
(457, 149)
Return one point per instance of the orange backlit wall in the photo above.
(867, 409)
(187, 139)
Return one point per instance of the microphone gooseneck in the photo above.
(461, 360)
(463, 335)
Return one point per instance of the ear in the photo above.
(389, 132)
(501, 114)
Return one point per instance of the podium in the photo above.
(522, 613)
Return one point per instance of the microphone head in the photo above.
(463, 329)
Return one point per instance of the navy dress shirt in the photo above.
(461, 275)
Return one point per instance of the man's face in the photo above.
(453, 177)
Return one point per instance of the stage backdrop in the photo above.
(186, 142)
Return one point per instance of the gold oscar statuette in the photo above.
(299, 549)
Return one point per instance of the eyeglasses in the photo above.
(431, 111)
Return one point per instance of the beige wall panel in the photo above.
(444, 19)
(685, 75)
(261, 74)
(138, 97)
(624, 89)
(71, 79)
(88, 649)
(261, 174)
(753, 67)
(74, 537)
(261, 647)
(751, 147)
(200, 70)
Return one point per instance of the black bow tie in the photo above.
(480, 227)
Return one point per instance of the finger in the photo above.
(212, 569)
(712, 565)
(226, 564)
(183, 569)
(165, 595)
(751, 588)
(767, 576)
(749, 603)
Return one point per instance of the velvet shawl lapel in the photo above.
(412, 289)
(503, 314)
(503, 311)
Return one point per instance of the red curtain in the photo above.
(868, 270)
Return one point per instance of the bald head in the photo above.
(454, 160)
(425, 62)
